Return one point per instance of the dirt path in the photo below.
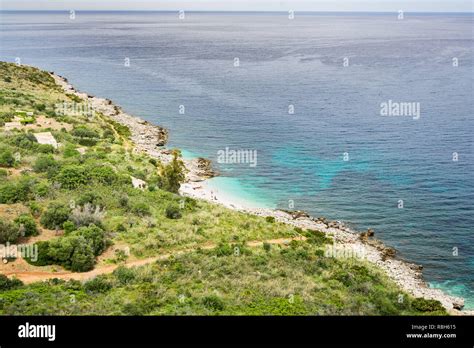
(35, 276)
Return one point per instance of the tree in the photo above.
(95, 236)
(172, 175)
(82, 258)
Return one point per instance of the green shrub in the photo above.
(55, 215)
(108, 134)
(9, 284)
(91, 198)
(6, 158)
(104, 175)
(35, 208)
(25, 141)
(223, 250)
(72, 176)
(26, 225)
(8, 193)
(213, 303)
(123, 201)
(425, 305)
(45, 148)
(141, 209)
(124, 275)
(70, 151)
(267, 246)
(69, 227)
(72, 252)
(85, 136)
(8, 232)
(42, 189)
(84, 132)
(45, 164)
(43, 255)
(121, 129)
(270, 219)
(95, 236)
(173, 212)
(13, 192)
(40, 107)
(98, 285)
(317, 237)
(3, 173)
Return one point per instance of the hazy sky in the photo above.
(244, 5)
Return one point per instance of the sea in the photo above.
(365, 118)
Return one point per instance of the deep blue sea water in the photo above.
(297, 62)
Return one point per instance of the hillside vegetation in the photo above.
(78, 205)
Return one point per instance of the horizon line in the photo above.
(236, 11)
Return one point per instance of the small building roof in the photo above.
(138, 183)
(46, 138)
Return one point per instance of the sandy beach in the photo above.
(150, 139)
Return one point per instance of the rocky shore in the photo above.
(150, 139)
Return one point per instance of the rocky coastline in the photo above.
(151, 139)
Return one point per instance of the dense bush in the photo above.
(25, 141)
(75, 251)
(9, 284)
(45, 164)
(8, 232)
(72, 176)
(90, 197)
(121, 129)
(213, 303)
(425, 305)
(173, 212)
(35, 209)
(98, 285)
(270, 219)
(26, 225)
(124, 275)
(72, 252)
(103, 175)
(95, 236)
(43, 258)
(317, 237)
(85, 136)
(42, 189)
(55, 215)
(84, 132)
(69, 227)
(45, 148)
(13, 192)
(70, 151)
(6, 158)
(141, 209)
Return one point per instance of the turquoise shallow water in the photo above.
(336, 110)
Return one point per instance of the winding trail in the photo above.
(28, 277)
